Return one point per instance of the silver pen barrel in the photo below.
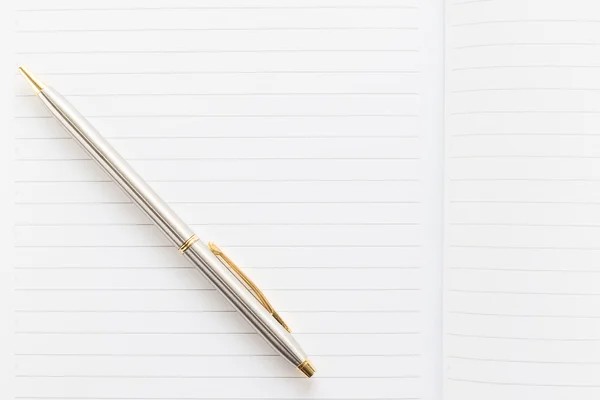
(214, 265)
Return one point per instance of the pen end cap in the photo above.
(33, 80)
(307, 368)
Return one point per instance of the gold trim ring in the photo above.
(306, 368)
(188, 243)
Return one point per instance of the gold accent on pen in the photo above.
(188, 243)
(251, 286)
(33, 80)
(306, 368)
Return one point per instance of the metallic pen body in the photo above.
(199, 254)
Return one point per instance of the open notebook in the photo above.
(415, 185)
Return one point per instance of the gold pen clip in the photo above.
(256, 292)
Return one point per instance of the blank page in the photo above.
(297, 135)
(523, 212)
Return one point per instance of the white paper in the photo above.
(302, 137)
(6, 208)
(521, 272)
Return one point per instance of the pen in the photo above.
(219, 269)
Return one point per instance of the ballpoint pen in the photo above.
(219, 269)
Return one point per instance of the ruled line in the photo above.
(257, 94)
(197, 398)
(177, 180)
(525, 21)
(252, 333)
(221, 72)
(590, 271)
(539, 134)
(282, 28)
(523, 225)
(218, 202)
(213, 51)
(65, 376)
(191, 267)
(483, 67)
(223, 159)
(225, 137)
(399, 355)
(534, 179)
(191, 398)
(183, 116)
(228, 8)
(524, 292)
(544, 89)
(374, 311)
(267, 246)
(542, 44)
(18, 289)
(542, 339)
(584, 112)
(525, 247)
(506, 315)
(226, 224)
(522, 384)
(525, 202)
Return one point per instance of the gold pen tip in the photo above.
(33, 80)
(307, 368)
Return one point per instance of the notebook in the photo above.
(414, 185)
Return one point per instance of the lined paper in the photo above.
(302, 137)
(521, 270)
(6, 209)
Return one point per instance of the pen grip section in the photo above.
(116, 167)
